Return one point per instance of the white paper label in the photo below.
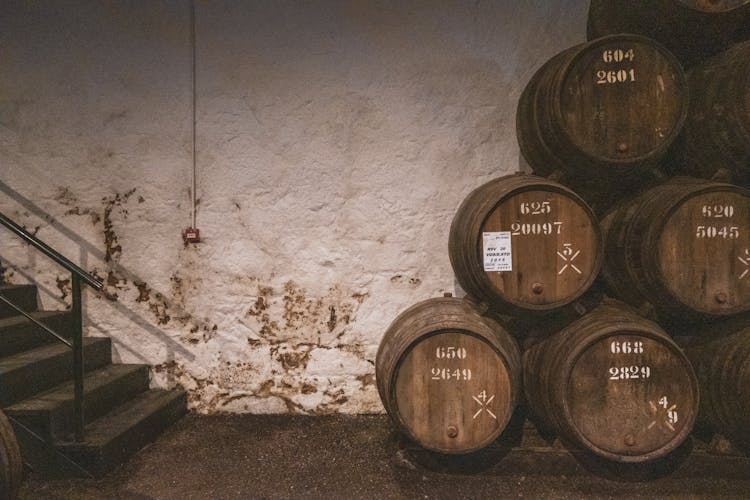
(497, 251)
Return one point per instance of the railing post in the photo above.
(77, 355)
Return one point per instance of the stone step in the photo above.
(18, 334)
(111, 439)
(30, 372)
(50, 413)
(24, 296)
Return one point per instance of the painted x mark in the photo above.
(568, 258)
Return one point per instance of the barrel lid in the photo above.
(703, 250)
(621, 98)
(631, 396)
(453, 392)
(553, 243)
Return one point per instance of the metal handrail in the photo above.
(36, 322)
(50, 252)
(77, 276)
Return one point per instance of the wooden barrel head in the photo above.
(453, 393)
(631, 396)
(714, 5)
(554, 248)
(622, 98)
(704, 252)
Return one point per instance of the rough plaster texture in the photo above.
(335, 140)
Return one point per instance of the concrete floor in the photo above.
(227, 457)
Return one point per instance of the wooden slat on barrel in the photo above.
(614, 384)
(692, 29)
(447, 376)
(523, 243)
(683, 247)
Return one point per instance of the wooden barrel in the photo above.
(606, 110)
(11, 466)
(691, 29)
(721, 365)
(522, 243)
(683, 247)
(614, 384)
(717, 131)
(448, 377)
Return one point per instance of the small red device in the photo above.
(191, 235)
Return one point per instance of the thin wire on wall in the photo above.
(192, 46)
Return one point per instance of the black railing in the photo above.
(77, 276)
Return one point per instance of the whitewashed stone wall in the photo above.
(335, 141)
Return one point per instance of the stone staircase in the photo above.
(36, 392)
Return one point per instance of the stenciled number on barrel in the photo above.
(617, 75)
(618, 55)
(451, 374)
(717, 211)
(626, 347)
(536, 228)
(612, 76)
(629, 372)
(725, 231)
(536, 208)
(450, 352)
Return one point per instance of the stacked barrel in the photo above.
(640, 171)
(448, 376)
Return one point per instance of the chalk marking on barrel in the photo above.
(568, 257)
(654, 411)
(670, 413)
(746, 262)
(483, 402)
